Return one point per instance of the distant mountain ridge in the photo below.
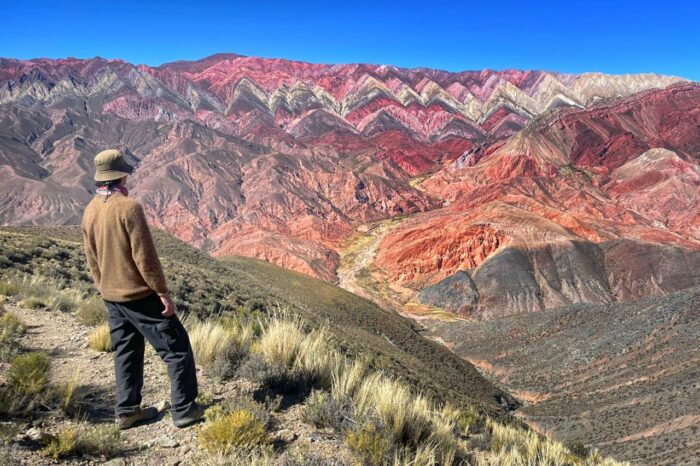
(274, 159)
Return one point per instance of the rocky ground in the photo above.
(159, 442)
(621, 377)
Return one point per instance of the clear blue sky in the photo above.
(569, 36)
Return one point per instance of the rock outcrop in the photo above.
(592, 205)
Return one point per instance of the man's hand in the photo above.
(168, 303)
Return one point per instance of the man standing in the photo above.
(125, 266)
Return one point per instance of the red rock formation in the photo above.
(281, 160)
(567, 181)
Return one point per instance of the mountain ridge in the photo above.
(273, 159)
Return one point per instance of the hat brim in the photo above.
(110, 175)
(124, 169)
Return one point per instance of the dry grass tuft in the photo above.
(92, 312)
(240, 428)
(208, 339)
(100, 339)
(38, 292)
(33, 303)
(11, 327)
(308, 357)
(72, 396)
(84, 439)
(514, 446)
(29, 373)
(371, 443)
(27, 383)
(220, 345)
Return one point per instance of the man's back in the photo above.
(120, 250)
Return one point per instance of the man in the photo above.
(125, 267)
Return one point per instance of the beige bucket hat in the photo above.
(110, 165)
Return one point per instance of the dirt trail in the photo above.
(158, 443)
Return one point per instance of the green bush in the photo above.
(29, 373)
(371, 443)
(322, 410)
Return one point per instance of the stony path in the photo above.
(157, 443)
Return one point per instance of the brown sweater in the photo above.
(120, 250)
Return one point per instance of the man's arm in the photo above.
(91, 256)
(143, 250)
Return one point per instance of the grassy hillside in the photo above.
(206, 286)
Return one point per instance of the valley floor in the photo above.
(620, 377)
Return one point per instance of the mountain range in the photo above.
(283, 160)
(475, 202)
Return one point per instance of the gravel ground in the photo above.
(159, 442)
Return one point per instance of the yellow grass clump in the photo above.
(239, 429)
(100, 339)
(83, 439)
(92, 312)
(284, 343)
(11, 326)
(213, 338)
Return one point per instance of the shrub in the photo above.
(29, 373)
(237, 429)
(33, 303)
(323, 410)
(65, 300)
(257, 369)
(100, 339)
(371, 443)
(11, 327)
(219, 345)
(72, 396)
(238, 402)
(305, 358)
(84, 439)
(92, 312)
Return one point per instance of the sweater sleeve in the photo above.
(143, 250)
(91, 256)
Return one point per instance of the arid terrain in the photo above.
(621, 376)
(525, 208)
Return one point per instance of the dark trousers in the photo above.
(129, 323)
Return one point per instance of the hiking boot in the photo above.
(195, 415)
(127, 421)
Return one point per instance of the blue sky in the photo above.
(574, 36)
